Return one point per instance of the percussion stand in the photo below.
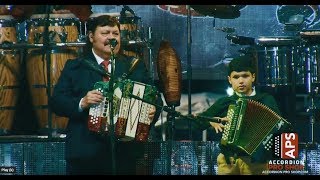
(171, 109)
(171, 136)
(47, 48)
(149, 46)
(312, 91)
(189, 67)
(110, 94)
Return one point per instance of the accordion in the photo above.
(251, 128)
(130, 115)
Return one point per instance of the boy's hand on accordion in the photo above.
(219, 126)
(222, 119)
(91, 98)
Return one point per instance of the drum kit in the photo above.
(45, 43)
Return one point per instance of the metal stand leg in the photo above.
(171, 138)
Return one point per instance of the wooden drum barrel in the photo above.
(9, 74)
(63, 28)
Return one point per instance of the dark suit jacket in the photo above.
(75, 81)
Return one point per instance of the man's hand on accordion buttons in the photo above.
(152, 113)
(92, 97)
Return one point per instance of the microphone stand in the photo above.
(112, 134)
(46, 46)
(189, 68)
(175, 113)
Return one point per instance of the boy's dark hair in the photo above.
(242, 63)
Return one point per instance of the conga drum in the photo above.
(10, 71)
(63, 28)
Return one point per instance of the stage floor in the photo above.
(40, 155)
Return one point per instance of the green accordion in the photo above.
(251, 128)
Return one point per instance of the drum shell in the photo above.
(37, 80)
(276, 57)
(9, 74)
(62, 28)
(8, 31)
(275, 65)
(309, 64)
(9, 87)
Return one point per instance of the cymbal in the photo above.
(219, 11)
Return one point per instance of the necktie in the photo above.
(105, 64)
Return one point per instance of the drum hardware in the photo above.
(277, 58)
(309, 33)
(219, 11)
(226, 29)
(310, 37)
(241, 40)
(134, 42)
(52, 36)
(224, 61)
(278, 41)
(11, 45)
(149, 43)
(312, 91)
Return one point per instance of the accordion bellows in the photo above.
(169, 73)
(252, 128)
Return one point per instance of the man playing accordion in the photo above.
(74, 95)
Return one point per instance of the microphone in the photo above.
(112, 42)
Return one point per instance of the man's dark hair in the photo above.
(103, 20)
(242, 63)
